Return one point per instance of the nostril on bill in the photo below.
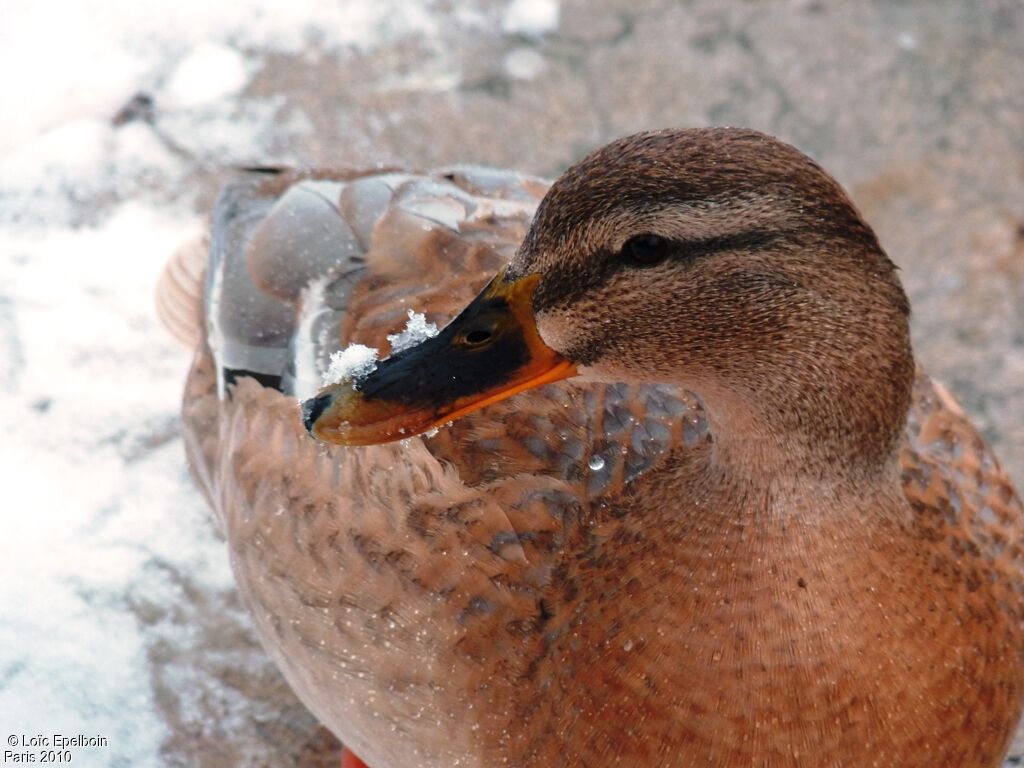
(475, 338)
(312, 408)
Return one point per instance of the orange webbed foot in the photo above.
(348, 760)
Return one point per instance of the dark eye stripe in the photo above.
(750, 240)
(648, 250)
(565, 282)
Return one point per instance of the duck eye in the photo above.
(645, 250)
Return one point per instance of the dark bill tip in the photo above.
(313, 408)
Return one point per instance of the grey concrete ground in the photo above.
(916, 106)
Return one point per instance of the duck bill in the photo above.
(489, 352)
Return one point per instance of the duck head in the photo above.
(720, 260)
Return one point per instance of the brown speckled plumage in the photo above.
(816, 579)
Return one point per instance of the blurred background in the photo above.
(120, 120)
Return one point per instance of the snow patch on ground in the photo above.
(524, 64)
(132, 46)
(95, 486)
(210, 72)
(45, 182)
(532, 18)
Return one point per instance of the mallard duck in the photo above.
(667, 491)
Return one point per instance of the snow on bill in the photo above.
(353, 363)
(417, 330)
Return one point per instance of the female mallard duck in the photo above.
(817, 563)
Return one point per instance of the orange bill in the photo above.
(491, 351)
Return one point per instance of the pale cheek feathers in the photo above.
(588, 331)
(555, 330)
(578, 332)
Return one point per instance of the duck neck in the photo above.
(828, 421)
